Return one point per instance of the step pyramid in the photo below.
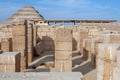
(27, 12)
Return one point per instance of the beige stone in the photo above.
(63, 65)
(2, 68)
(10, 62)
(63, 35)
(63, 46)
(45, 29)
(63, 50)
(63, 55)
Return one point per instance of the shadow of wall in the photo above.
(74, 44)
(48, 42)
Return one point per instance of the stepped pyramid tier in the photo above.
(27, 12)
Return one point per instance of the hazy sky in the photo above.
(65, 9)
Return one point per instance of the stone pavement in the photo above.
(41, 76)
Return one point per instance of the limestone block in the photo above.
(63, 46)
(106, 60)
(63, 55)
(5, 46)
(9, 57)
(30, 57)
(51, 34)
(43, 34)
(23, 63)
(63, 65)
(10, 62)
(87, 49)
(38, 29)
(111, 38)
(11, 68)
(18, 38)
(118, 59)
(116, 73)
(2, 68)
(52, 29)
(63, 35)
(101, 50)
(45, 29)
(19, 28)
(18, 47)
(18, 33)
(29, 30)
(114, 38)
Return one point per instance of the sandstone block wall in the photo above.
(87, 49)
(47, 36)
(6, 44)
(63, 50)
(10, 62)
(20, 43)
(107, 61)
(111, 38)
(6, 32)
(83, 35)
(84, 39)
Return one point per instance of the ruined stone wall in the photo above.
(85, 39)
(108, 62)
(20, 43)
(47, 35)
(10, 62)
(6, 38)
(109, 26)
(63, 50)
(6, 32)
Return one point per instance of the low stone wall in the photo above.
(10, 62)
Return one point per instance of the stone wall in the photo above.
(20, 43)
(25, 37)
(108, 62)
(10, 62)
(63, 50)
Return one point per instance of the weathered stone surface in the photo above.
(41, 76)
(63, 46)
(63, 50)
(63, 35)
(10, 62)
(106, 60)
(63, 55)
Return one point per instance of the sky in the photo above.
(65, 9)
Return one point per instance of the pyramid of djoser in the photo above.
(27, 12)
